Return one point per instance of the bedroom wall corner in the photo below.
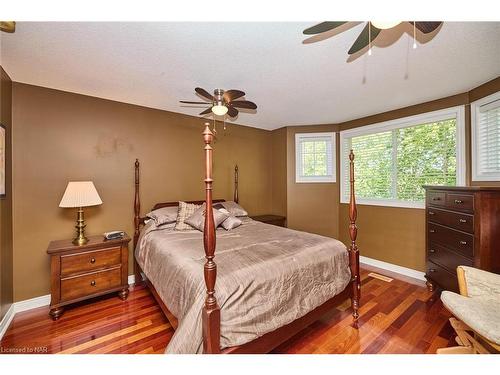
(6, 252)
(279, 172)
(311, 207)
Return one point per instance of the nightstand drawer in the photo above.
(91, 283)
(89, 261)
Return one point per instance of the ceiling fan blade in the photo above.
(230, 95)
(427, 27)
(362, 40)
(323, 26)
(186, 102)
(208, 110)
(244, 104)
(204, 93)
(231, 111)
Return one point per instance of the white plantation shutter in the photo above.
(487, 141)
(315, 157)
(394, 159)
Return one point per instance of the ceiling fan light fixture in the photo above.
(219, 109)
(383, 25)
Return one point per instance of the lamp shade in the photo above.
(80, 194)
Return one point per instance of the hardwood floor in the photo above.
(396, 317)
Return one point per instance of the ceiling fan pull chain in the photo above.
(414, 35)
(214, 129)
(369, 38)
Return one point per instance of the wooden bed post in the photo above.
(211, 310)
(353, 248)
(137, 223)
(236, 198)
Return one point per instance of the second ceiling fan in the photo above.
(370, 31)
(222, 102)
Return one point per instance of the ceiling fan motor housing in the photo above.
(218, 96)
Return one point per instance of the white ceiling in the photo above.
(157, 64)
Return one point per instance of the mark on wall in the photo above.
(108, 145)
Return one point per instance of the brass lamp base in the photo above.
(80, 229)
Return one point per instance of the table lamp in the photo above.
(80, 194)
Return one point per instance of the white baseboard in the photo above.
(30, 304)
(7, 319)
(393, 268)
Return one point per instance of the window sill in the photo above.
(382, 203)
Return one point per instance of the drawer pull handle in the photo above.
(463, 242)
(432, 231)
(92, 283)
(432, 251)
(436, 198)
(92, 260)
(431, 213)
(458, 201)
(432, 270)
(463, 220)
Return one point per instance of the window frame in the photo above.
(474, 111)
(457, 112)
(298, 160)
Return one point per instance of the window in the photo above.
(315, 157)
(485, 114)
(395, 158)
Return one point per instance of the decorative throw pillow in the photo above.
(185, 210)
(197, 219)
(231, 222)
(164, 215)
(234, 208)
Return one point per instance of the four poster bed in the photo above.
(272, 283)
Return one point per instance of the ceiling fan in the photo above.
(370, 31)
(222, 102)
(7, 26)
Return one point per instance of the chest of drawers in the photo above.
(462, 228)
(81, 272)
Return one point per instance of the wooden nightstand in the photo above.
(271, 219)
(81, 272)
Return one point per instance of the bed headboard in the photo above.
(139, 220)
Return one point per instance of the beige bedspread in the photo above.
(267, 277)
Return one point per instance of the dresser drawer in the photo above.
(436, 198)
(463, 222)
(460, 242)
(447, 258)
(91, 283)
(89, 261)
(460, 202)
(441, 276)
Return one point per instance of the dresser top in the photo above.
(95, 242)
(462, 188)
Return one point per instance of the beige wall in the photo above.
(61, 136)
(6, 288)
(311, 207)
